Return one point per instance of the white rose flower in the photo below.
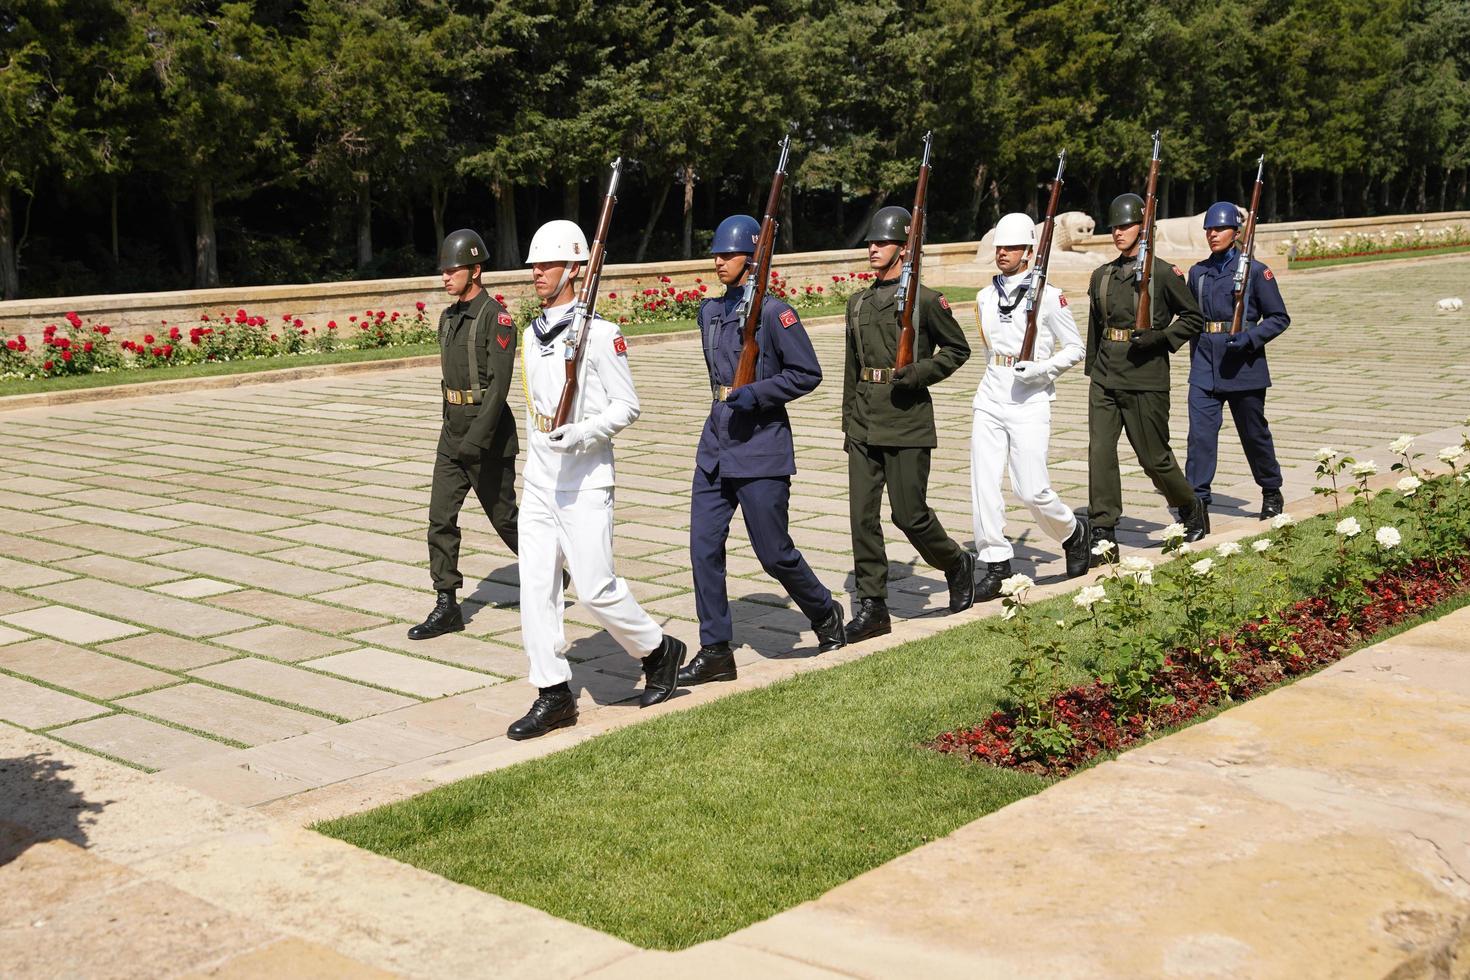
(1366, 468)
(1175, 530)
(1409, 485)
(1228, 548)
(1184, 548)
(1202, 567)
(1104, 547)
(1136, 563)
(1451, 454)
(1325, 454)
(1388, 537)
(1260, 545)
(1401, 445)
(1016, 584)
(1349, 527)
(1089, 596)
(1281, 521)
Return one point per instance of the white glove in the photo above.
(1033, 373)
(570, 437)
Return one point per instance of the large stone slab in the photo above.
(123, 519)
(150, 608)
(75, 669)
(112, 540)
(223, 713)
(33, 706)
(231, 517)
(69, 624)
(399, 673)
(142, 742)
(387, 600)
(116, 569)
(357, 542)
(282, 683)
(506, 660)
(297, 612)
(251, 570)
(286, 642)
(22, 575)
(168, 652)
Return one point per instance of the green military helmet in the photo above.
(463, 247)
(890, 224)
(1126, 209)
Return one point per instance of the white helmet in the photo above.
(558, 241)
(1015, 229)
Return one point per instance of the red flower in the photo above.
(48, 365)
(500, 299)
(242, 318)
(394, 317)
(50, 329)
(104, 330)
(74, 320)
(286, 318)
(204, 317)
(173, 333)
(352, 319)
(240, 312)
(664, 279)
(420, 305)
(66, 355)
(612, 295)
(147, 338)
(331, 324)
(274, 337)
(12, 345)
(87, 347)
(296, 324)
(304, 332)
(703, 288)
(156, 351)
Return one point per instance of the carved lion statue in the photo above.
(1072, 227)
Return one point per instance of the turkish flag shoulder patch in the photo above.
(620, 346)
(788, 318)
(1269, 275)
(504, 319)
(503, 339)
(943, 302)
(1062, 298)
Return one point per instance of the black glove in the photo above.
(469, 454)
(907, 378)
(743, 399)
(1148, 340)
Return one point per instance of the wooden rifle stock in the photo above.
(1040, 261)
(586, 306)
(908, 280)
(1247, 251)
(757, 278)
(1143, 320)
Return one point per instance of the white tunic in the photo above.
(1058, 344)
(606, 402)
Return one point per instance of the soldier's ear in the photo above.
(474, 273)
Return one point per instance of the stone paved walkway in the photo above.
(215, 586)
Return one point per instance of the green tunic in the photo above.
(1117, 364)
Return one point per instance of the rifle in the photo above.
(1143, 268)
(757, 277)
(1040, 261)
(586, 305)
(1247, 250)
(908, 280)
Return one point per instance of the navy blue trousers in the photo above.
(764, 502)
(1248, 410)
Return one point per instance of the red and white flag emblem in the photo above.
(620, 346)
(788, 318)
(504, 319)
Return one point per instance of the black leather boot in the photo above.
(1271, 504)
(961, 581)
(446, 618)
(830, 633)
(1100, 534)
(1078, 548)
(555, 707)
(870, 620)
(715, 662)
(988, 587)
(661, 671)
(1197, 521)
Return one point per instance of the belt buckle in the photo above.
(880, 376)
(454, 397)
(719, 392)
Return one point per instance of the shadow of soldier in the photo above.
(38, 804)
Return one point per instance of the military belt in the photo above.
(881, 376)
(719, 392)
(1120, 334)
(1005, 360)
(544, 423)
(455, 396)
(1217, 326)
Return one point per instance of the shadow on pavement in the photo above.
(38, 803)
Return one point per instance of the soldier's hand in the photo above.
(1147, 340)
(1238, 341)
(568, 438)
(1032, 373)
(469, 454)
(907, 378)
(742, 399)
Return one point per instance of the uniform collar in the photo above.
(1223, 259)
(552, 321)
(472, 307)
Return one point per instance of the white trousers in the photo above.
(1013, 436)
(573, 527)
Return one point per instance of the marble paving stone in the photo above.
(196, 588)
(225, 714)
(291, 684)
(106, 539)
(357, 541)
(163, 612)
(250, 570)
(380, 738)
(116, 499)
(308, 759)
(123, 519)
(29, 549)
(75, 669)
(313, 557)
(230, 779)
(457, 716)
(11, 602)
(387, 600)
(503, 659)
(142, 742)
(116, 569)
(168, 652)
(219, 537)
(69, 624)
(297, 612)
(26, 522)
(401, 673)
(33, 706)
(8, 635)
(230, 517)
(20, 575)
(285, 642)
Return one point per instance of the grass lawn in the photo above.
(696, 824)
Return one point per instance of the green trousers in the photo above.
(1144, 416)
(493, 478)
(905, 471)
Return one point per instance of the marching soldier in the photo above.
(1230, 369)
(566, 516)
(1012, 425)
(1130, 377)
(746, 458)
(888, 421)
(477, 440)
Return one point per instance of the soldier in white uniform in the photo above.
(1012, 426)
(567, 493)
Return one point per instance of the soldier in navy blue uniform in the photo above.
(746, 458)
(1230, 369)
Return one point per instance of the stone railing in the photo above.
(133, 314)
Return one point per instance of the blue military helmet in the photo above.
(1222, 214)
(737, 233)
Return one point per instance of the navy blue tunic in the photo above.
(1213, 366)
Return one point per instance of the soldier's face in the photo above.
(458, 279)
(1010, 258)
(881, 255)
(730, 266)
(1125, 236)
(1220, 239)
(546, 278)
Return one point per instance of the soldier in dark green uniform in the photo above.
(477, 441)
(888, 419)
(1130, 376)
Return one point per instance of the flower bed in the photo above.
(1318, 249)
(1182, 645)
